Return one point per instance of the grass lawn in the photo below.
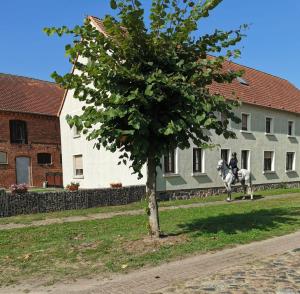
(42, 190)
(120, 244)
(27, 219)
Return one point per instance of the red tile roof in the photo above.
(21, 94)
(263, 89)
(98, 24)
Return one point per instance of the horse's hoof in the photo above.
(228, 200)
(244, 198)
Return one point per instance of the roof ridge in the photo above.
(247, 66)
(264, 72)
(250, 67)
(29, 78)
(95, 17)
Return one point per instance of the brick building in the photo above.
(30, 149)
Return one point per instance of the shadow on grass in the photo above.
(263, 220)
(247, 197)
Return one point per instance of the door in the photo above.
(23, 170)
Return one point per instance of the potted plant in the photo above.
(18, 188)
(116, 185)
(73, 186)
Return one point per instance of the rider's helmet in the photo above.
(234, 154)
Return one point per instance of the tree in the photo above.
(147, 90)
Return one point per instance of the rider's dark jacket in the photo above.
(233, 163)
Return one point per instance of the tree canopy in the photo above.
(147, 89)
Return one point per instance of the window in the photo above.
(225, 155)
(290, 161)
(197, 160)
(78, 166)
(223, 118)
(169, 162)
(290, 128)
(245, 159)
(76, 132)
(245, 122)
(18, 132)
(44, 158)
(269, 125)
(3, 157)
(268, 161)
(242, 81)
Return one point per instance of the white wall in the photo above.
(256, 141)
(100, 167)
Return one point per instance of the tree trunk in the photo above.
(154, 229)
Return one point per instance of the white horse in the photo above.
(228, 176)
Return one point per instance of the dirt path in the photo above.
(98, 216)
(156, 280)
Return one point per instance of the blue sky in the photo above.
(272, 44)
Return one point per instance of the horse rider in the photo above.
(233, 165)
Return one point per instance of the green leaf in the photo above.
(148, 91)
(113, 4)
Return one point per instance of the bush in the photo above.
(19, 188)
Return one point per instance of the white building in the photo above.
(267, 141)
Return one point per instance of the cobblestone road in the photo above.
(279, 274)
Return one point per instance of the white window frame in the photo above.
(248, 159)
(229, 154)
(195, 174)
(294, 162)
(76, 134)
(4, 163)
(170, 174)
(248, 123)
(272, 171)
(74, 168)
(271, 126)
(293, 129)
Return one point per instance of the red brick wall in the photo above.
(43, 137)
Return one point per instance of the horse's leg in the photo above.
(251, 191)
(250, 187)
(244, 189)
(228, 192)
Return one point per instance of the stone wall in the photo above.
(205, 192)
(15, 204)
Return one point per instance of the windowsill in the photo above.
(245, 132)
(270, 134)
(269, 172)
(78, 177)
(45, 164)
(290, 171)
(171, 175)
(76, 136)
(15, 143)
(198, 174)
(291, 137)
